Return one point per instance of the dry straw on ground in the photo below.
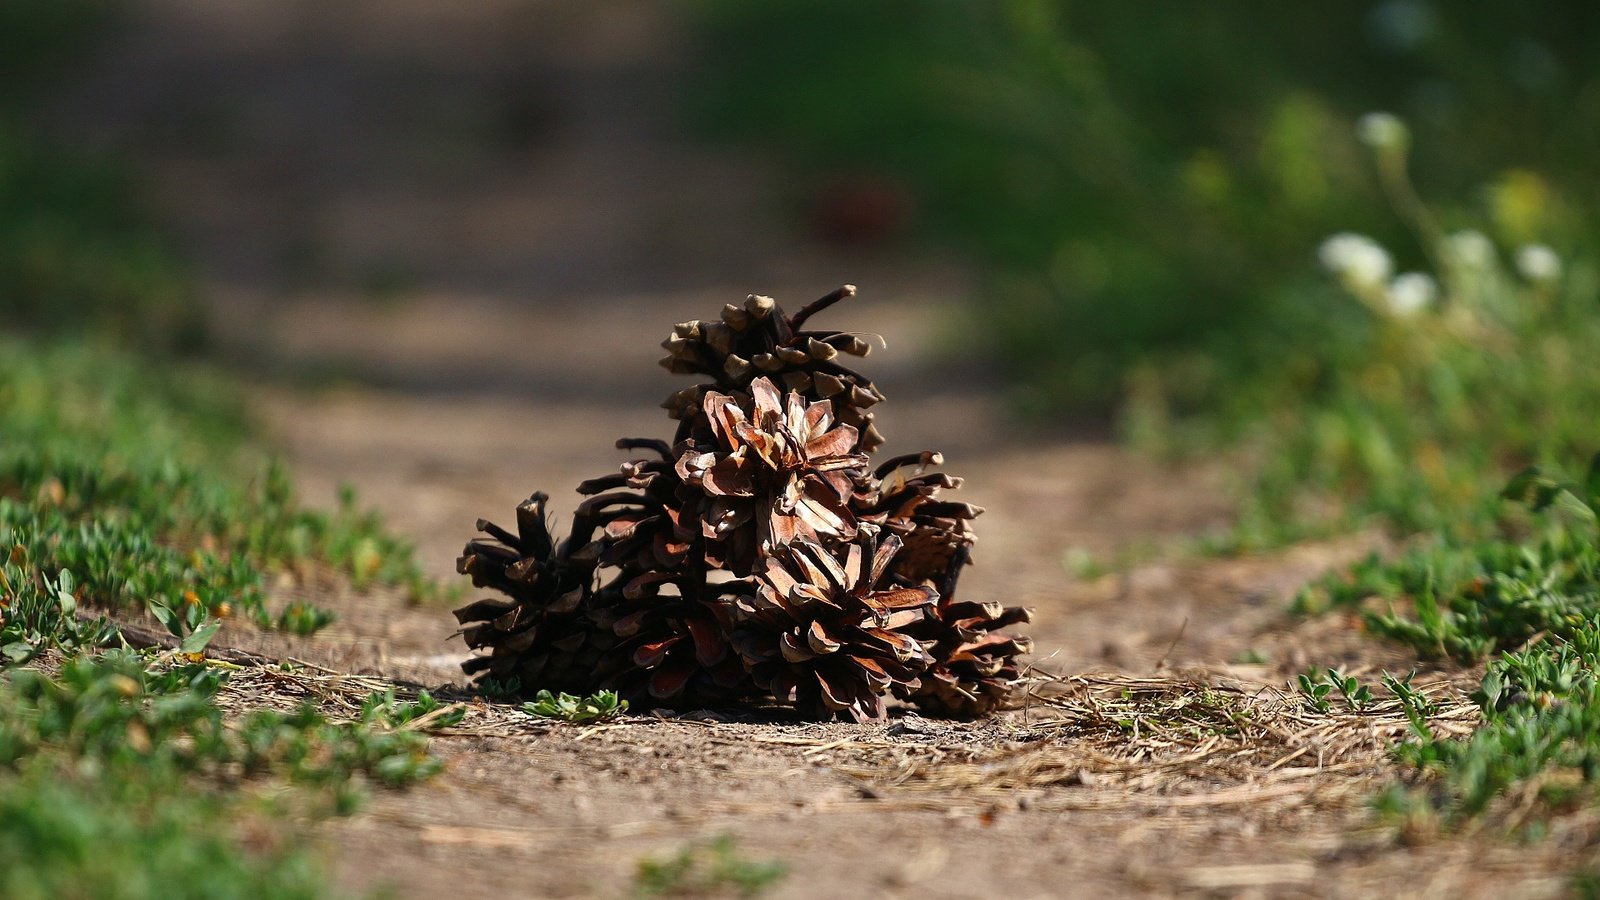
(1091, 741)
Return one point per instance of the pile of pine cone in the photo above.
(758, 558)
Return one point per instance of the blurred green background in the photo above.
(1145, 188)
(79, 249)
(1150, 179)
(1142, 193)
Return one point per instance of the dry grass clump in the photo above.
(1188, 740)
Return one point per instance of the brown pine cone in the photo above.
(674, 648)
(821, 637)
(774, 470)
(539, 632)
(760, 339)
(974, 667)
(902, 498)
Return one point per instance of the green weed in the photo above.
(497, 689)
(39, 613)
(136, 480)
(114, 747)
(567, 708)
(383, 707)
(1319, 686)
(1530, 603)
(714, 869)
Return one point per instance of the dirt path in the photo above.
(466, 226)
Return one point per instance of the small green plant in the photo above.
(37, 614)
(383, 707)
(499, 689)
(593, 708)
(1316, 690)
(1413, 702)
(707, 870)
(1318, 686)
(302, 618)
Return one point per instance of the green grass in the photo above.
(120, 776)
(1540, 734)
(1465, 598)
(1526, 602)
(130, 482)
(138, 477)
(710, 869)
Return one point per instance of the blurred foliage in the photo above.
(40, 39)
(1144, 180)
(715, 868)
(120, 458)
(79, 250)
(1145, 185)
(1418, 405)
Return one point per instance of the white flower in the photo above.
(1383, 131)
(1538, 262)
(1356, 258)
(1410, 293)
(1473, 249)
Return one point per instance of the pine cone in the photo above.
(645, 527)
(844, 587)
(538, 633)
(821, 637)
(760, 339)
(974, 668)
(907, 503)
(675, 648)
(776, 469)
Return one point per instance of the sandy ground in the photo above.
(445, 238)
